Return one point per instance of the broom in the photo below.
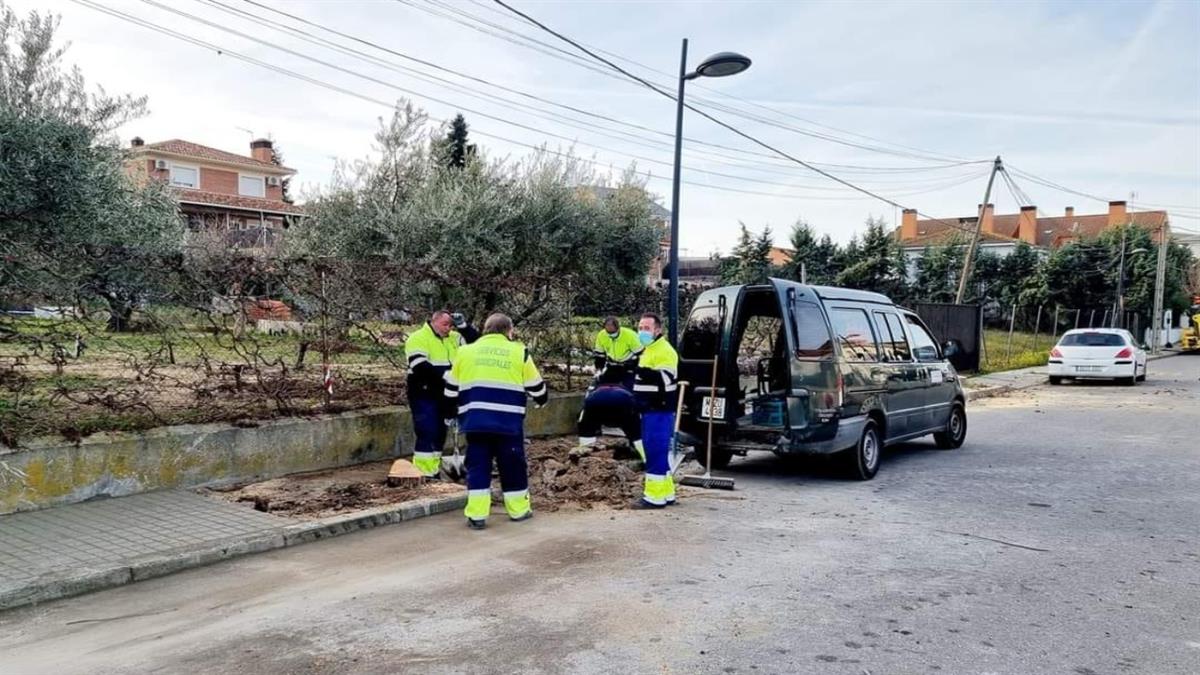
(709, 481)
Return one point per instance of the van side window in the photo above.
(854, 333)
(812, 335)
(892, 338)
(702, 333)
(923, 344)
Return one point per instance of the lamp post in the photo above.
(721, 64)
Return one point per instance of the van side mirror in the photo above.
(951, 348)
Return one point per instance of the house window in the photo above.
(252, 186)
(185, 176)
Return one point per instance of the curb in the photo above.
(989, 392)
(56, 585)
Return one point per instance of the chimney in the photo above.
(1116, 213)
(989, 223)
(1070, 214)
(908, 225)
(136, 142)
(1027, 225)
(260, 149)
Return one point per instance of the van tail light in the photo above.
(841, 386)
(1125, 353)
(1055, 354)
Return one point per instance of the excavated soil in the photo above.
(327, 493)
(599, 480)
(596, 481)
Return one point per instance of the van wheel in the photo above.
(1055, 379)
(1127, 381)
(956, 430)
(863, 459)
(720, 457)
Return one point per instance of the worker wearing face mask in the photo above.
(615, 344)
(655, 388)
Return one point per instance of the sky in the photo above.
(908, 100)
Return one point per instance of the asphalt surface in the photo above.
(1063, 538)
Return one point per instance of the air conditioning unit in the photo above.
(160, 165)
(273, 181)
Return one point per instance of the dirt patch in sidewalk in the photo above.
(610, 477)
(326, 493)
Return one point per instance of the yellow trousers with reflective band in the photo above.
(508, 453)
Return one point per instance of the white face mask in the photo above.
(613, 334)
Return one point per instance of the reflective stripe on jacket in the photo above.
(657, 371)
(429, 359)
(490, 380)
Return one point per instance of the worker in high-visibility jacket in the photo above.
(656, 388)
(490, 380)
(431, 351)
(615, 344)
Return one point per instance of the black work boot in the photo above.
(476, 524)
(642, 504)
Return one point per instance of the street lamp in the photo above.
(721, 64)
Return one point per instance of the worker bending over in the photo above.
(490, 381)
(431, 352)
(615, 344)
(610, 404)
(655, 388)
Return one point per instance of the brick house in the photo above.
(1001, 234)
(218, 191)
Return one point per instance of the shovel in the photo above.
(679, 451)
(453, 466)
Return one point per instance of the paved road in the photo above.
(1064, 538)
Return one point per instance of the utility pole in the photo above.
(804, 273)
(1160, 282)
(968, 261)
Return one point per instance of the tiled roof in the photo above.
(177, 146)
(1051, 231)
(946, 235)
(238, 202)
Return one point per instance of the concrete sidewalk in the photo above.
(80, 548)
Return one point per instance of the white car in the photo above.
(1098, 353)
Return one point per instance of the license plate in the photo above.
(1087, 369)
(718, 408)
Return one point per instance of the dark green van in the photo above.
(815, 369)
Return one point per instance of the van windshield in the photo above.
(812, 335)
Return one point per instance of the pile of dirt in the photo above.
(595, 481)
(610, 477)
(326, 493)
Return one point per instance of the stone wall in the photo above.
(49, 472)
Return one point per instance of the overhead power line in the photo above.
(464, 18)
(713, 119)
(725, 95)
(220, 50)
(257, 40)
(590, 127)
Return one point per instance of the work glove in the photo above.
(459, 320)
